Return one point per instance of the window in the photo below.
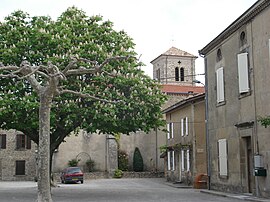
(182, 73)
(222, 157)
(20, 167)
(220, 85)
(3, 141)
(158, 74)
(170, 130)
(243, 38)
(171, 163)
(185, 163)
(243, 75)
(184, 126)
(177, 74)
(219, 55)
(23, 142)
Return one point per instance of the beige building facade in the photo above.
(186, 140)
(237, 89)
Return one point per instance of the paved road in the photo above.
(113, 190)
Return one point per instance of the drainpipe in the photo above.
(255, 134)
(166, 69)
(156, 149)
(208, 149)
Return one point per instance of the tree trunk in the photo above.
(44, 189)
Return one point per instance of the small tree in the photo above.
(137, 161)
(90, 164)
(122, 160)
(73, 162)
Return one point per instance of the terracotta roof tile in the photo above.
(167, 88)
(177, 52)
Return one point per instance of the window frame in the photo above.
(182, 74)
(171, 160)
(185, 159)
(184, 126)
(223, 157)
(18, 169)
(170, 129)
(177, 76)
(3, 141)
(243, 73)
(23, 142)
(220, 84)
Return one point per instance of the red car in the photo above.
(72, 174)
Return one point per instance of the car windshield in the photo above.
(74, 170)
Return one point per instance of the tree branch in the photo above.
(96, 67)
(86, 95)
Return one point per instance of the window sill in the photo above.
(243, 95)
(220, 103)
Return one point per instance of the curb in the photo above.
(235, 196)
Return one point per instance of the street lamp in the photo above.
(197, 81)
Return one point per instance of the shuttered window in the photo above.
(170, 130)
(23, 142)
(184, 126)
(222, 154)
(243, 75)
(220, 85)
(185, 159)
(3, 141)
(171, 163)
(186, 119)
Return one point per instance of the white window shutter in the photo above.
(172, 131)
(186, 126)
(183, 159)
(182, 127)
(168, 129)
(243, 76)
(173, 166)
(188, 162)
(220, 84)
(169, 160)
(222, 149)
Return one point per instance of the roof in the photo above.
(246, 17)
(176, 89)
(198, 97)
(175, 52)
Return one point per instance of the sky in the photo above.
(154, 25)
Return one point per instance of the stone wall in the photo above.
(10, 155)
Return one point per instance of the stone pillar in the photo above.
(112, 155)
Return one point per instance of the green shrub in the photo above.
(137, 161)
(118, 173)
(122, 160)
(90, 164)
(73, 162)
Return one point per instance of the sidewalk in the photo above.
(247, 197)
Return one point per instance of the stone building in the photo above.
(186, 140)
(237, 89)
(174, 67)
(17, 156)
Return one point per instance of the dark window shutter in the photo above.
(20, 167)
(28, 142)
(18, 141)
(4, 141)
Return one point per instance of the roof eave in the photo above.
(247, 16)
